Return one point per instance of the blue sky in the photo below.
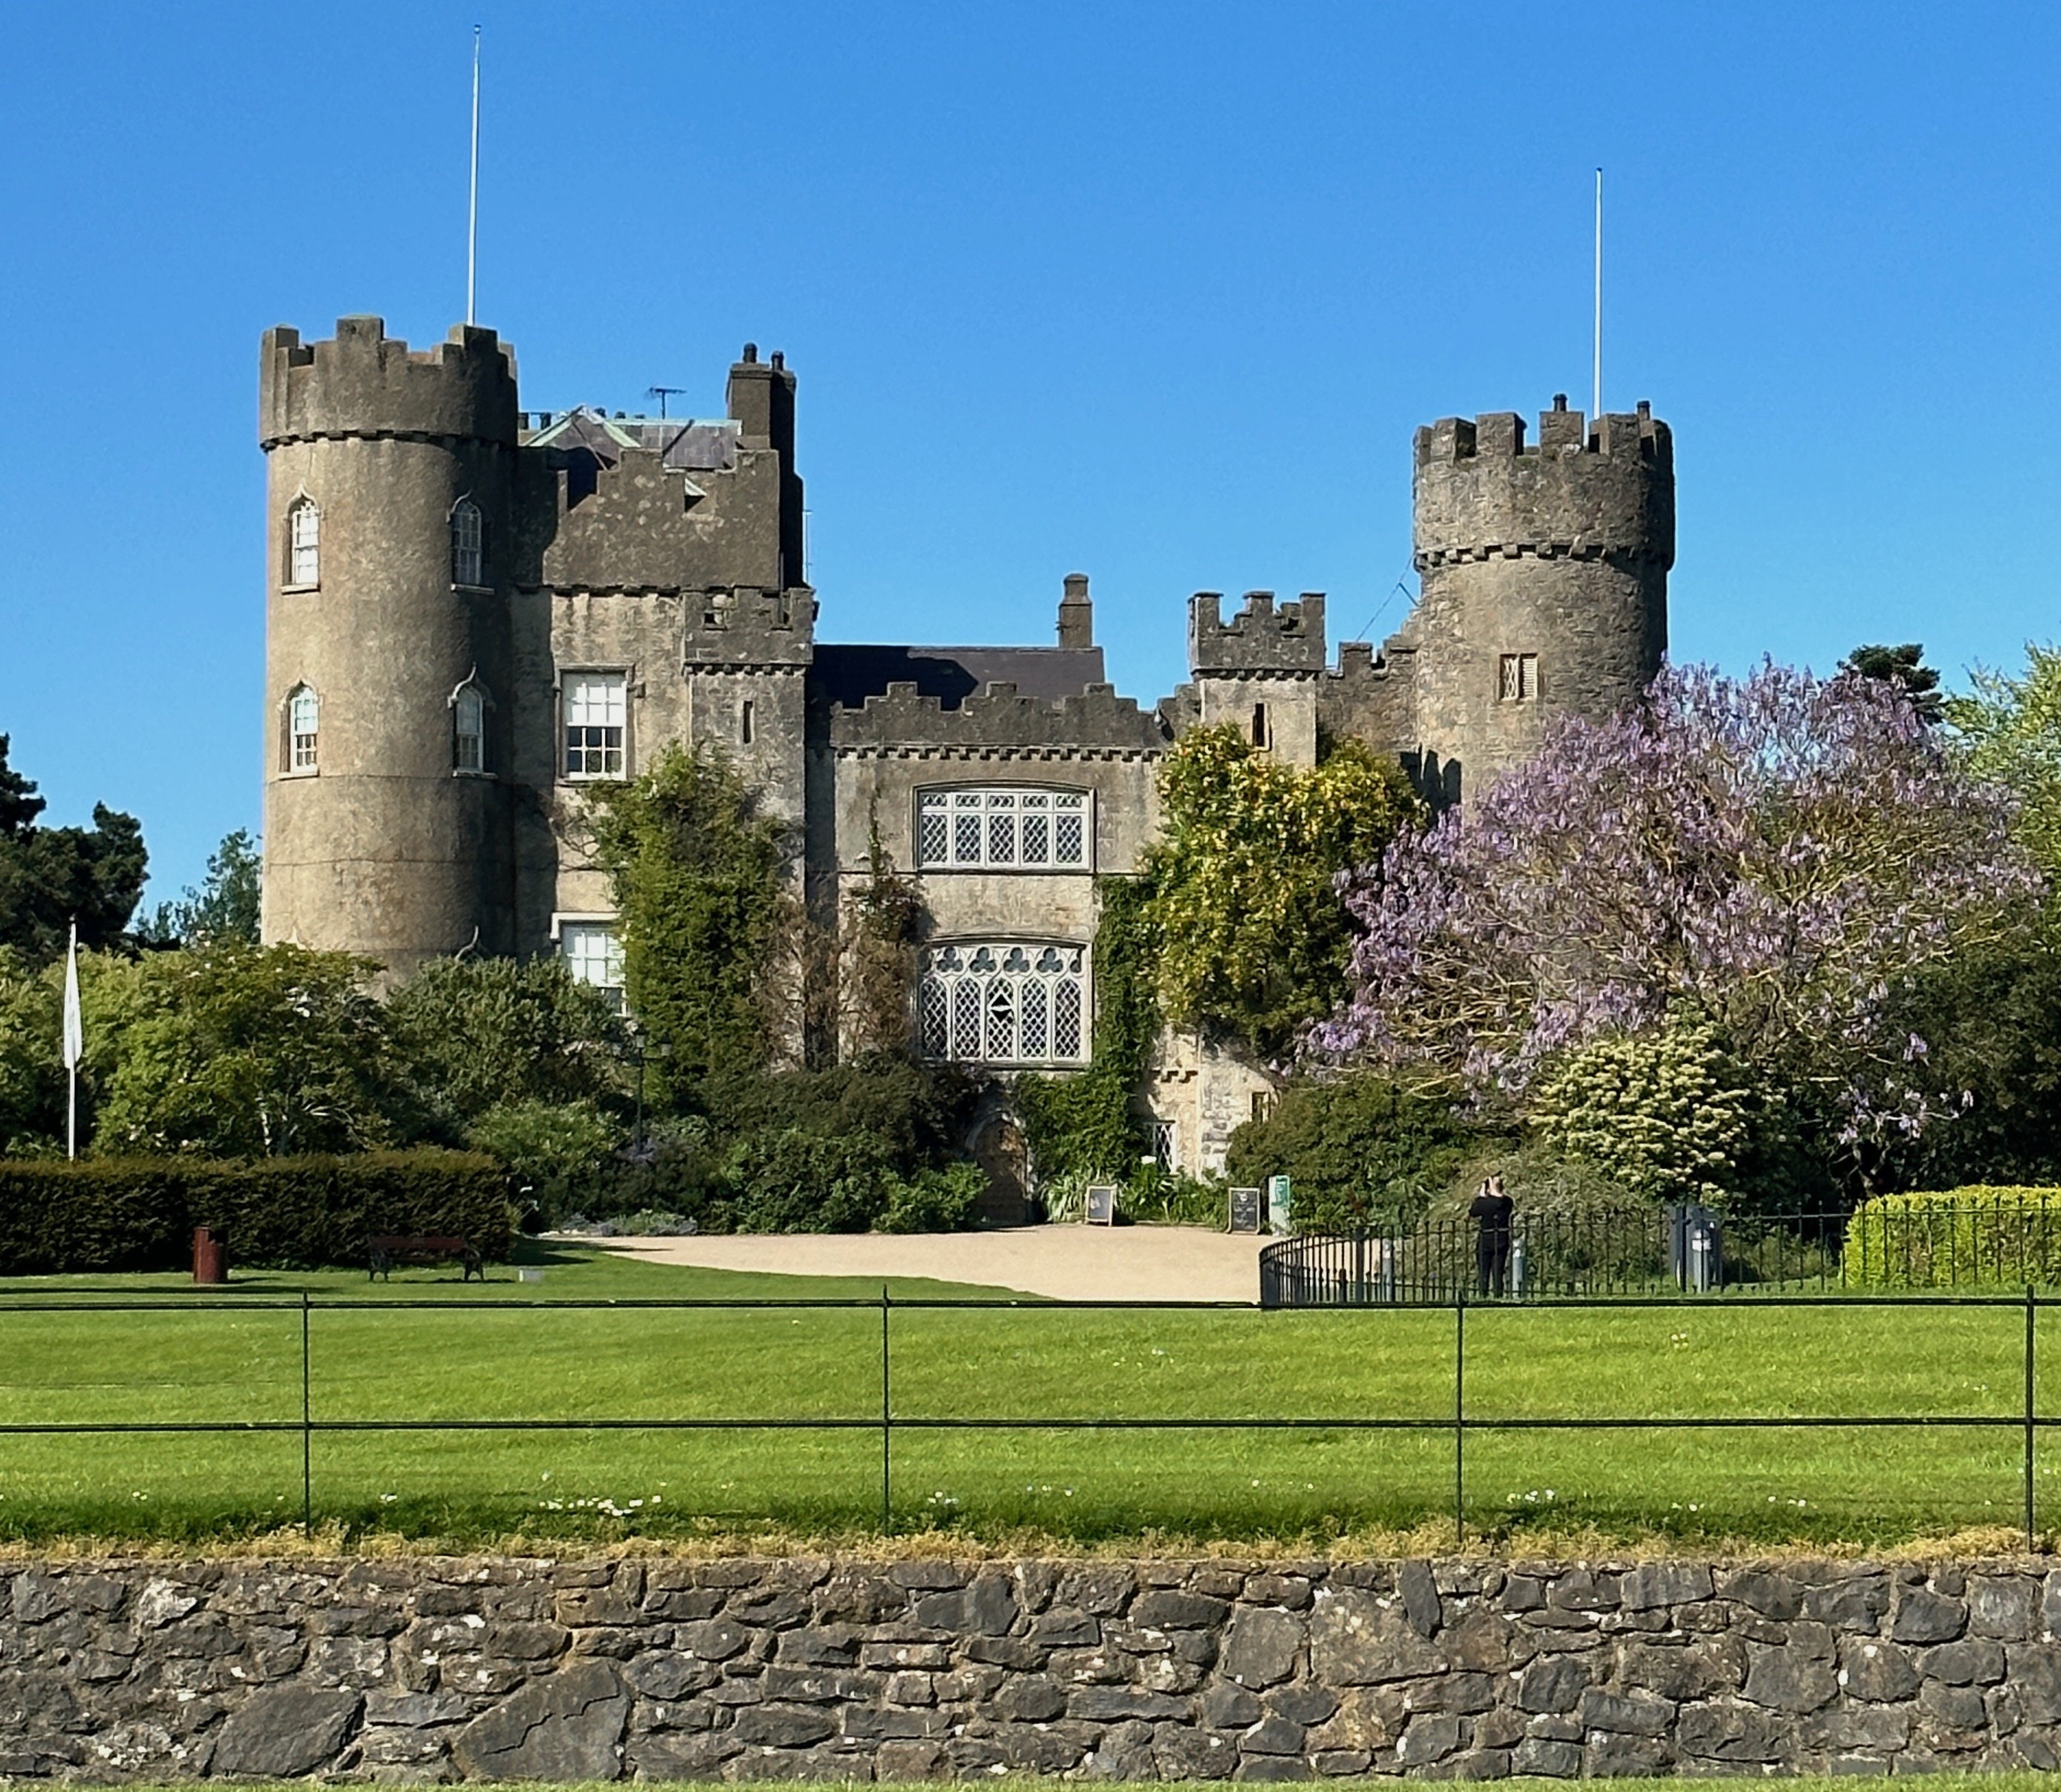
(1159, 292)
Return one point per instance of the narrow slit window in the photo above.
(1259, 725)
(744, 722)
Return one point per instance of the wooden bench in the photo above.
(382, 1254)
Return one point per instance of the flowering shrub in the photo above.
(1774, 856)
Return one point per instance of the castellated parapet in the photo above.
(996, 722)
(1544, 574)
(363, 383)
(1262, 637)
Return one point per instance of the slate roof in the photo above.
(703, 445)
(848, 672)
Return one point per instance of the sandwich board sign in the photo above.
(1245, 1208)
(1102, 1204)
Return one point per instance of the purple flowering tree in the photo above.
(1776, 855)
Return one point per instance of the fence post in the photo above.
(307, 1431)
(1459, 1419)
(887, 1429)
(2031, 1307)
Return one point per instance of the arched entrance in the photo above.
(997, 1148)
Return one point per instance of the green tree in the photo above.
(1903, 665)
(698, 871)
(1255, 936)
(2009, 730)
(1359, 1150)
(50, 877)
(31, 1076)
(473, 1034)
(225, 907)
(237, 1051)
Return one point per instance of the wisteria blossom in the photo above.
(1776, 854)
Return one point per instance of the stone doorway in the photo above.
(997, 1148)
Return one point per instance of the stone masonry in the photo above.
(416, 1668)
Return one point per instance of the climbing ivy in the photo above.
(698, 874)
(1085, 1126)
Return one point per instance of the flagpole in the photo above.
(1597, 408)
(73, 1044)
(472, 210)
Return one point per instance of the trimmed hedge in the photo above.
(1965, 1238)
(103, 1214)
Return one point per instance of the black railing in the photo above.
(1336, 1265)
(1892, 1242)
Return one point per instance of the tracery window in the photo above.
(1004, 1003)
(596, 710)
(468, 544)
(303, 543)
(1038, 830)
(1517, 680)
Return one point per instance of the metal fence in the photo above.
(892, 1421)
(1892, 1242)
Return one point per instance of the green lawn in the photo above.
(232, 1357)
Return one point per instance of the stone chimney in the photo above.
(1076, 614)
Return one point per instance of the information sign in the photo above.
(1276, 1204)
(1245, 1207)
(1102, 1204)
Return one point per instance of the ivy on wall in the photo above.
(1085, 1126)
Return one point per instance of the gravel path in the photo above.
(1063, 1262)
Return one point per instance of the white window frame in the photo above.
(603, 759)
(1517, 678)
(304, 544)
(468, 556)
(1003, 827)
(1005, 1002)
(469, 701)
(301, 757)
(578, 936)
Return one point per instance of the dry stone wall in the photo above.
(418, 1668)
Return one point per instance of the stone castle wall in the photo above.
(427, 1669)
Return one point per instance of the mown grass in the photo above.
(232, 1359)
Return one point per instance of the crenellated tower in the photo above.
(390, 477)
(1261, 670)
(1544, 581)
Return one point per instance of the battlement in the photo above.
(363, 383)
(1261, 638)
(747, 626)
(997, 721)
(1635, 435)
(1586, 491)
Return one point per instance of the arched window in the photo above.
(303, 727)
(468, 544)
(468, 707)
(303, 541)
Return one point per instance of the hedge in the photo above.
(103, 1214)
(1973, 1237)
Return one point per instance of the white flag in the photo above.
(74, 1028)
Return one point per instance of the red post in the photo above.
(210, 1255)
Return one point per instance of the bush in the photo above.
(1973, 1237)
(1359, 1151)
(108, 1215)
(936, 1201)
(796, 1181)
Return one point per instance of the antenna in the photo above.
(1597, 409)
(661, 393)
(472, 216)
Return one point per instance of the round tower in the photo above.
(389, 525)
(1544, 581)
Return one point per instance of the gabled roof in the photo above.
(701, 445)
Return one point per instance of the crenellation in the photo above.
(997, 716)
(1262, 636)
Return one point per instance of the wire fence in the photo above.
(1909, 1242)
(893, 1417)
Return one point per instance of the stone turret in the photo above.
(1261, 670)
(389, 476)
(1544, 574)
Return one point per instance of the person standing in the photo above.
(1491, 1213)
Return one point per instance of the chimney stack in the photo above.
(1076, 614)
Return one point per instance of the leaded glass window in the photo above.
(1003, 1002)
(303, 728)
(468, 729)
(468, 545)
(304, 543)
(1011, 830)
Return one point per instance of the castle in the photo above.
(472, 611)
